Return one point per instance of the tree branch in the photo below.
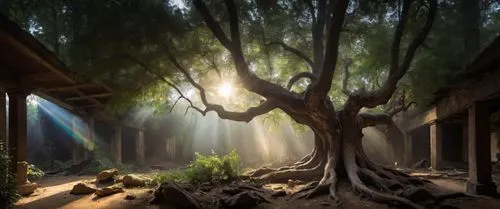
(297, 77)
(249, 80)
(146, 68)
(318, 33)
(397, 71)
(246, 116)
(212, 24)
(324, 82)
(295, 51)
(366, 119)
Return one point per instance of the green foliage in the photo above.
(176, 175)
(205, 168)
(8, 193)
(34, 173)
(214, 168)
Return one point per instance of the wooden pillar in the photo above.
(78, 149)
(408, 149)
(480, 181)
(3, 119)
(116, 144)
(436, 141)
(18, 135)
(139, 151)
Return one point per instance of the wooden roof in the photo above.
(27, 64)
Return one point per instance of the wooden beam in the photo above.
(53, 100)
(71, 87)
(38, 77)
(88, 97)
(34, 56)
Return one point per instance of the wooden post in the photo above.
(3, 119)
(436, 141)
(18, 134)
(480, 181)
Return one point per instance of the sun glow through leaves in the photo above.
(226, 89)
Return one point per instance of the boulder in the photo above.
(278, 193)
(242, 200)
(106, 191)
(83, 188)
(130, 197)
(174, 195)
(26, 189)
(133, 181)
(106, 175)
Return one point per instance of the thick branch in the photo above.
(297, 77)
(249, 81)
(382, 95)
(295, 51)
(366, 119)
(219, 109)
(211, 23)
(324, 82)
(384, 118)
(318, 33)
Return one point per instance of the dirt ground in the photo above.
(54, 193)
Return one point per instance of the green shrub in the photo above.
(34, 173)
(176, 175)
(8, 193)
(205, 168)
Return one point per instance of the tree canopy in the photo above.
(128, 44)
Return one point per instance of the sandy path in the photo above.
(54, 193)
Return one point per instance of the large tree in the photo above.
(321, 62)
(338, 132)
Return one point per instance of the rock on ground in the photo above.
(242, 199)
(175, 195)
(130, 197)
(106, 191)
(133, 181)
(106, 175)
(26, 189)
(83, 188)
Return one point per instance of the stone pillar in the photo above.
(116, 144)
(480, 181)
(18, 141)
(465, 142)
(3, 118)
(78, 149)
(18, 134)
(408, 149)
(139, 148)
(436, 141)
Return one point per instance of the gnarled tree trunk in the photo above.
(338, 151)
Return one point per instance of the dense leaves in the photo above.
(205, 168)
(125, 43)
